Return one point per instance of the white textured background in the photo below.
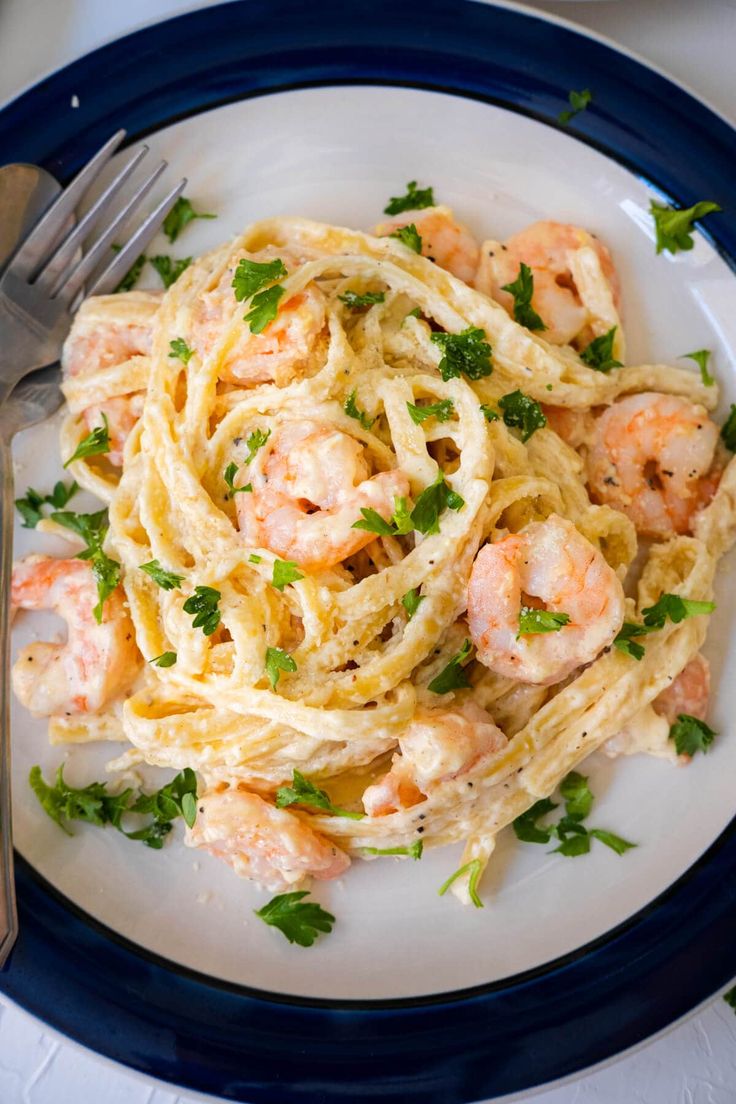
(695, 1063)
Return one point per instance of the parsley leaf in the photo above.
(131, 277)
(465, 353)
(180, 215)
(94, 444)
(473, 868)
(355, 301)
(577, 844)
(166, 659)
(278, 660)
(203, 604)
(625, 641)
(285, 571)
(675, 608)
(264, 308)
(453, 676)
(414, 851)
(256, 441)
(176, 798)
(180, 350)
(526, 827)
(411, 601)
(415, 200)
(522, 290)
(253, 558)
(251, 276)
(616, 843)
(409, 236)
(30, 508)
(599, 354)
(353, 411)
(578, 102)
(577, 796)
(303, 792)
(170, 269)
(167, 580)
(535, 621)
(489, 414)
(442, 411)
(522, 412)
(674, 226)
(728, 431)
(701, 358)
(299, 921)
(730, 997)
(691, 734)
(92, 528)
(229, 476)
(432, 502)
(372, 522)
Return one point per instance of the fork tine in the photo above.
(45, 236)
(111, 276)
(48, 278)
(71, 282)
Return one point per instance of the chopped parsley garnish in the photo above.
(166, 659)
(253, 558)
(522, 290)
(167, 580)
(730, 998)
(352, 410)
(489, 413)
(472, 869)
(30, 508)
(131, 277)
(277, 660)
(728, 430)
(691, 734)
(599, 354)
(701, 358)
(372, 522)
(251, 276)
(577, 795)
(442, 411)
(180, 350)
(416, 199)
(670, 606)
(573, 836)
(466, 353)
(180, 215)
(526, 827)
(626, 641)
(616, 843)
(300, 921)
(522, 412)
(416, 312)
(433, 501)
(256, 440)
(229, 476)
(170, 269)
(284, 572)
(453, 676)
(264, 308)
(356, 301)
(411, 601)
(578, 102)
(92, 528)
(303, 792)
(94, 444)
(203, 604)
(96, 805)
(409, 236)
(674, 227)
(534, 621)
(414, 851)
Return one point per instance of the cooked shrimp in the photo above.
(283, 351)
(438, 745)
(446, 242)
(545, 247)
(650, 456)
(573, 426)
(97, 662)
(310, 482)
(552, 564)
(259, 841)
(91, 348)
(122, 413)
(687, 693)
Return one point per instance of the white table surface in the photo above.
(695, 1063)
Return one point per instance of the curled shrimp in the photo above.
(272, 846)
(438, 745)
(687, 693)
(310, 482)
(444, 240)
(97, 662)
(553, 564)
(546, 248)
(283, 351)
(650, 457)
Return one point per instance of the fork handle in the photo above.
(8, 911)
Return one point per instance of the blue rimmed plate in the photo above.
(270, 109)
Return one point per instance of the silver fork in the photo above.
(38, 293)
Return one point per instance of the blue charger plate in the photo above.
(247, 1045)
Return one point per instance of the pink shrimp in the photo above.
(122, 414)
(444, 240)
(687, 693)
(272, 846)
